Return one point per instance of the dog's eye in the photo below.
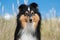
(26, 14)
(32, 13)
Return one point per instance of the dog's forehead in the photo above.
(29, 9)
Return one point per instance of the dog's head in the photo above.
(29, 14)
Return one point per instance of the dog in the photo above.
(28, 23)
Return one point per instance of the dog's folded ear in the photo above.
(22, 7)
(34, 5)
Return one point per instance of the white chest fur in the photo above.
(27, 37)
(27, 32)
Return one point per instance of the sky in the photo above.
(46, 7)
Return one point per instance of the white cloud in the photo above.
(7, 16)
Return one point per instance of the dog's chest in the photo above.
(26, 36)
(27, 33)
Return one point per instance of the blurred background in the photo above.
(50, 12)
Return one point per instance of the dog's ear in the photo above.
(22, 7)
(34, 5)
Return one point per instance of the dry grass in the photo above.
(50, 29)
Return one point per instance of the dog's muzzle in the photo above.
(30, 17)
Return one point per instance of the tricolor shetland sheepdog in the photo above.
(28, 23)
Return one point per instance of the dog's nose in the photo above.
(30, 20)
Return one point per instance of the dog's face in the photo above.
(29, 16)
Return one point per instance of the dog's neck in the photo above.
(27, 32)
(29, 27)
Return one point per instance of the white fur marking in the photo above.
(27, 32)
(28, 9)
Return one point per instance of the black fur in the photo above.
(22, 9)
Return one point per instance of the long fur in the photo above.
(19, 29)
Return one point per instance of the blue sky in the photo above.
(45, 6)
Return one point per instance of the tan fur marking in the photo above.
(32, 12)
(26, 12)
(23, 20)
(35, 20)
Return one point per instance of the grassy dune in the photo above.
(50, 29)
